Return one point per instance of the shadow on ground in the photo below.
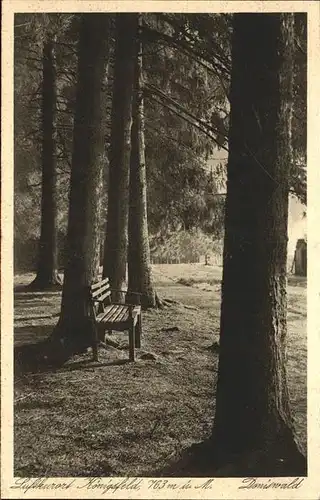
(39, 357)
(203, 460)
(26, 335)
(297, 280)
(34, 358)
(29, 289)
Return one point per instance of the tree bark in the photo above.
(139, 266)
(86, 184)
(47, 267)
(116, 242)
(252, 404)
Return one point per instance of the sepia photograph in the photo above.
(160, 248)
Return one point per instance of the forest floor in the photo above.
(115, 418)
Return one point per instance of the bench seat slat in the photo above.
(114, 313)
(117, 312)
(106, 312)
(121, 313)
(99, 284)
(124, 315)
(118, 325)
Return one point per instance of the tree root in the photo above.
(158, 301)
(170, 302)
(206, 460)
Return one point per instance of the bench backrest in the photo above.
(100, 293)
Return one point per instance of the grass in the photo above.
(115, 418)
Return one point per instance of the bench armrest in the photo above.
(125, 291)
(134, 311)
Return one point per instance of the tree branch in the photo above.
(186, 49)
(173, 23)
(164, 96)
(196, 125)
(173, 139)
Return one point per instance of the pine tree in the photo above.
(139, 267)
(116, 241)
(47, 268)
(86, 185)
(252, 405)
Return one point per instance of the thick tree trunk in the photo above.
(86, 184)
(116, 243)
(139, 266)
(47, 268)
(252, 405)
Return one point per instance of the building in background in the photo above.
(299, 265)
(297, 238)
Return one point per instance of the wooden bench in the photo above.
(108, 316)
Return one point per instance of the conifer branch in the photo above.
(187, 119)
(199, 121)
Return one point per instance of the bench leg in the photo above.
(131, 342)
(95, 352)
(138, 332)
(95, 342)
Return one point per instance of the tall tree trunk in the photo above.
(116, 242)
(252, 405)
(86, 184)
(139, 266)
(47, 268)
